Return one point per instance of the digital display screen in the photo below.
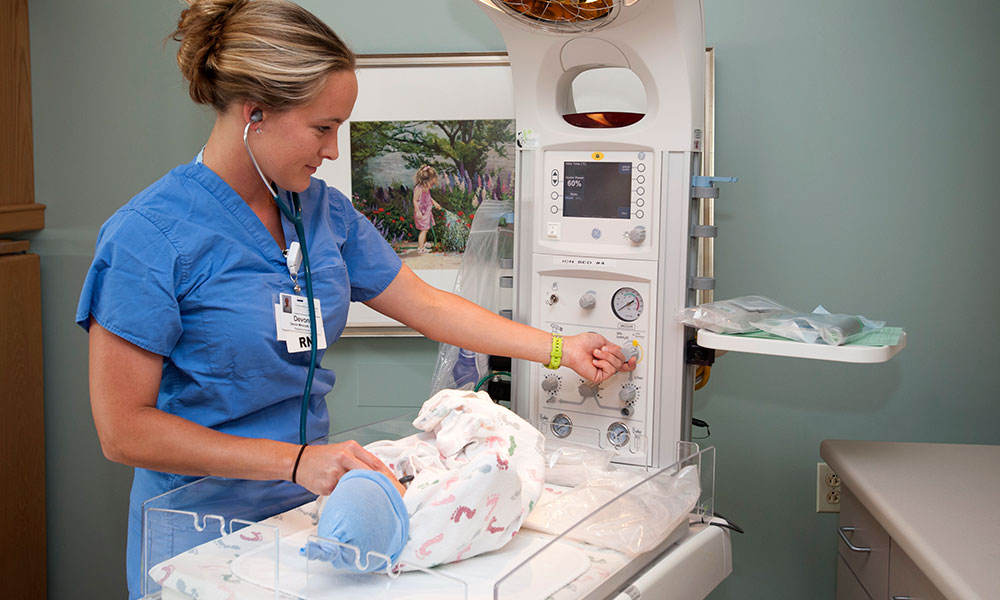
(601, 190)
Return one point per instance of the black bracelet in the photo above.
(295, 469)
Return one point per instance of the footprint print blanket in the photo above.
(478, 471)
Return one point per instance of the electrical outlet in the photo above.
(827, 489)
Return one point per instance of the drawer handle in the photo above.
(843, 535)
(902, 598)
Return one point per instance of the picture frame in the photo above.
(412, 88)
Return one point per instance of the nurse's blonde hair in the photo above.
(272, 52)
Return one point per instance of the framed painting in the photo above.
(431, 136)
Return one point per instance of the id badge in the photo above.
(291, 319)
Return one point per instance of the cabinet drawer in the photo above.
(859, 527)
(848, 586)
(906, 580)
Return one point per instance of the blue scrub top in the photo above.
(186, 270)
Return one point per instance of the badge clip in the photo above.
(293, 258)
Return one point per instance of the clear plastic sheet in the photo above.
(731, 316)
(570, 464)
(649, 509)
(478, 280)
(818, 326)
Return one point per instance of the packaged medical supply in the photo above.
(832, 329)
(731, 316)
(635, 523)
(571, 464)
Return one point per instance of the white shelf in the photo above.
(850, 354)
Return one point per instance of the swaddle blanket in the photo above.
(478, 470)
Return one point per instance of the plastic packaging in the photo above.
(819, 325)
(635, 523)
(477, 280)
(731, 316)
(572, 464)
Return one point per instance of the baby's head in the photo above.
(366, 511)
(426, 176)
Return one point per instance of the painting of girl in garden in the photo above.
(420, 182)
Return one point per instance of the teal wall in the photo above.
(863, 133)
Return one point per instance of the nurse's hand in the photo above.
(322, 466)
(593, 357)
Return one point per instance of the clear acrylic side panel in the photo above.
(598, 553)
(191, 535)
(229, 538)
(390, 429)
(326, 582)
(689, 454)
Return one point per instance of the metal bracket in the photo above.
(701, 283)
(698, 355)
(703, 186)
(704, 231)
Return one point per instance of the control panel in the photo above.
(615, 413)
(598, 201)
(595, 267)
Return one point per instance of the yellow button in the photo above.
(597, 155)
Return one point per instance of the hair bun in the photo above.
(200, 31)
(273, 52)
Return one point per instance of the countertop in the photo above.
(939, 502)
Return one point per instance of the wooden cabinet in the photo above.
(870, 564)
(22, 435)
(18, 210)
(22, 425)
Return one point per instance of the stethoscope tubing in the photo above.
(294, 214)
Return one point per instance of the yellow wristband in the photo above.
(556, 357)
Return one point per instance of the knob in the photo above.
(630, 350)
(627, 394)
(588, 300)
(553, 298)
(550, 383)
(588, 390)
(638, 234)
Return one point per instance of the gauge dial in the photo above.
(562, 426)
(618, 434)
(627, 304)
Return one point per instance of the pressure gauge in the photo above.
(561, 426)
(618, 434)
(627, 304)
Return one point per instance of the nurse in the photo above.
(187, 375)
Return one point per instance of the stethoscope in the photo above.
(293, 212)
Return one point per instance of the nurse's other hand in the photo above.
(322, 466)
(593, 357)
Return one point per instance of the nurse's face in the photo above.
(295, 142)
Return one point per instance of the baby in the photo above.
(477, 471)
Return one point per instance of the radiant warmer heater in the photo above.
(609, 104)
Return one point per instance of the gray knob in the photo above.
(550, 383)
(588, 390)
(588, 300)
(627, 394)
(630, 350)
(638, 234)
